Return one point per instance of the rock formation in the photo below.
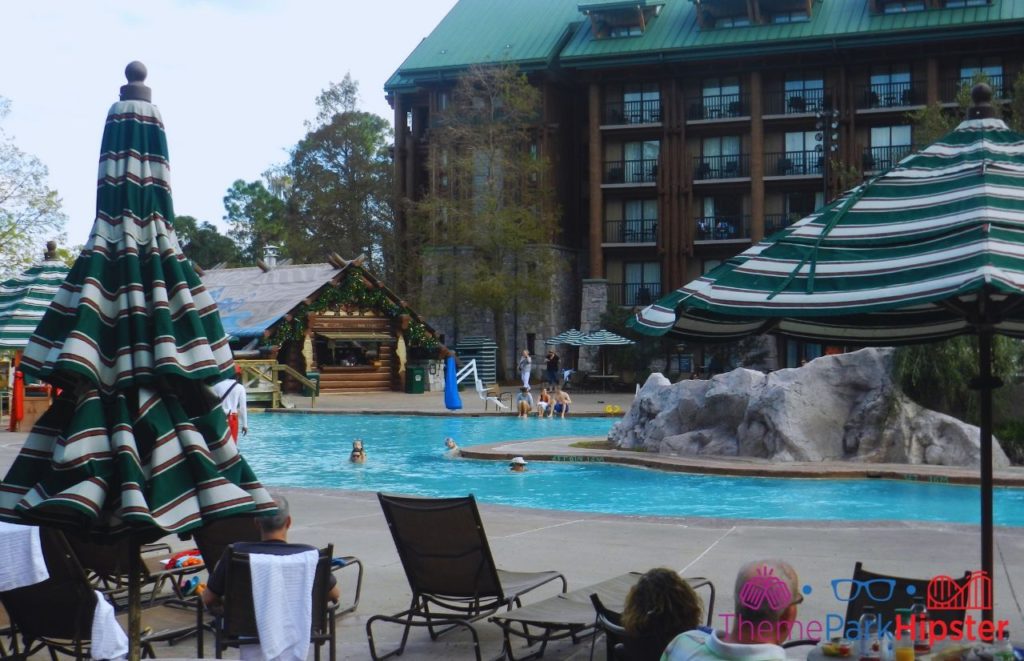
(842, 407)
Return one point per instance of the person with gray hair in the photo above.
(766, 599)
(273, 541)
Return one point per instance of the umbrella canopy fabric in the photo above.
(137, 441)
(24, 299)
(899, 260)
(600, 338)
(931, 249)
(572, 337)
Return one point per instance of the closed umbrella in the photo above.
(25, 297)
(136, 444)
(931, 249)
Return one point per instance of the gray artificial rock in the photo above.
(842, 407)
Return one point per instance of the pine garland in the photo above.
(353, 293)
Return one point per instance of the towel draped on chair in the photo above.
(282, 588)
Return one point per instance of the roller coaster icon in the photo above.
(944, 593)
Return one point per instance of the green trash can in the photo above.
(415, 380)
(315, 378)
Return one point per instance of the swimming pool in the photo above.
(405, 455)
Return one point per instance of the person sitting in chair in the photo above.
(659, 607)
(273, 541)
(358, 455)
(524, 402)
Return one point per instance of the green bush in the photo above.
(1011, 437)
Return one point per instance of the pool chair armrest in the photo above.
(344, 562)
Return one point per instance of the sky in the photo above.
(233, 79)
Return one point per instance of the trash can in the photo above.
(414, 380)
(315, 378)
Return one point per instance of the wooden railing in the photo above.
(262, 378)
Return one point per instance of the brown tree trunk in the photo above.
(497, 314)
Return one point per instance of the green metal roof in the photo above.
(534, 32)
(611, 5)
(524, 32)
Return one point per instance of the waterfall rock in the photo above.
(842, 407)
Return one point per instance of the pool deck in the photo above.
(589, 548)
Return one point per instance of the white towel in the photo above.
(109, 640)
(23, 557)
(282, 596)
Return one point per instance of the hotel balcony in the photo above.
(951, 88)
(631, 113)
(773, 222)
(719, 107)
(889, 95)
(793, 164)
(729, 166)
(638, 172)
(722, 227)
(796, 102)
(632, 294)
(632, 231)
(880, 159)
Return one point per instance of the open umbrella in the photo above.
(136, 444)
(601, 338)
(25, 297)
(931, 249)
(572, 337)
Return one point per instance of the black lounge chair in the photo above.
(57, 614)
(447, 560)
(213, 539)
(237, 623)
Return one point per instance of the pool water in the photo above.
(405, 454)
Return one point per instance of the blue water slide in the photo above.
(452, 401)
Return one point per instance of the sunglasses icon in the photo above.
(877, 589)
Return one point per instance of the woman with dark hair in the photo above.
(660, 606)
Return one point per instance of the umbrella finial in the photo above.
(981, 108)
(51, 250)
(136, 89)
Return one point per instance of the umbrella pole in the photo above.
(985, 392)
(134, 599)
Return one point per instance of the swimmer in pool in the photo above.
(358, 455)
(517, 465)
(451, 448)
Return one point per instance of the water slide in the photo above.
(452, 401)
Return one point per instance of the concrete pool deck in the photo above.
(589, 548)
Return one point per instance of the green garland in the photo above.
(353, 292)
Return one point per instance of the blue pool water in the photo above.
(406, 455)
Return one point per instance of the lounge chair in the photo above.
(492, 396)
(237, 624)
(900, 597)
(447, 560)
(106, 565)
(57, 614)
(214, 537)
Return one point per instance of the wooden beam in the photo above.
(596, 171)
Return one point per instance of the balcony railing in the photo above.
(729, 166)
(795, 102)
(639, 171)
(632, 294)
(890, 95)
(793, 163)
(647, 111)
(721, 106)
(773, 222)
(636, 230)
(951, 88)
(722, 228)
(878, 159)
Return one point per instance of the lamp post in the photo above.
(827, 138)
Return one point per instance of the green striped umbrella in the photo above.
(24, 299)
(137, 443)
(572, 337)
(931, 249)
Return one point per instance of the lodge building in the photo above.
(682, 131)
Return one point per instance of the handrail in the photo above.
(301, 378)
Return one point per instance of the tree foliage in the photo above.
(30, 211)
(338, 183)
(203, 243)
(256, 218)
(492, 198)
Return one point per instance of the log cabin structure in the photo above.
(334, 319)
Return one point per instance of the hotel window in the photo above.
(903, 6)
(641, 161)
(641, 103)
(956, 4)
(739, 21)
(799, 16)
(890, 86)
(800, 153)
(889, 144)
(722, 97)
(640, 221)
(643, 282)
(990, 68)
(802, 204)
(803, 92)
(720, 157)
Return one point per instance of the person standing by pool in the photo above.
(562, 402)
(551, 366)
(517, 465)
(233, 403)
(451, 448)
(524, 402)
(525, 365)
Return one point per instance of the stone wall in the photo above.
(593, 304)
(843, 407)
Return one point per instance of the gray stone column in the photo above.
(594, 304)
